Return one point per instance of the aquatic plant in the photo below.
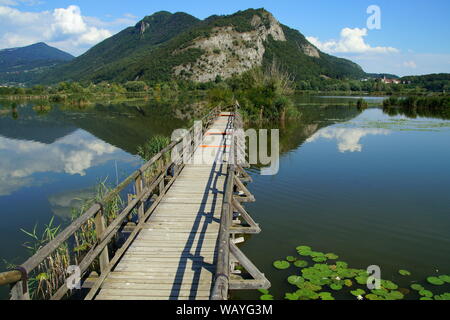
(301, 263)
(281, 264)
(404, 272)
(339, 277)
(153, 146)
(435, 281)
(51, 273)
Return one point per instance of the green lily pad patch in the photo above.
(281, 264)
(435, 281)
(404, 272)
(358, 292)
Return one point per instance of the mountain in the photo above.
(21, 64)
(111, 57)
(165, 46)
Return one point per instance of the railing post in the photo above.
(100, 227)
(139, 186)
(20, 290)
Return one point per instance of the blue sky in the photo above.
(413, 39)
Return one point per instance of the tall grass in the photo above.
(153, 146)
(265, 94)
(48, 277)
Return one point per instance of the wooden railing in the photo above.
(150, 183)
(236, 192)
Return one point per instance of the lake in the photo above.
(367, 186)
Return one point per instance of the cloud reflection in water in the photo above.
(73, 155)
(348, 138)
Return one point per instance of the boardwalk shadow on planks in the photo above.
(200, 228)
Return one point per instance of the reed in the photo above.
(48, 277)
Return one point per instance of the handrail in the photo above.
(222, 275)
(14, 276)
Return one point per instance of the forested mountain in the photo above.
(168, 46)
(22, 64)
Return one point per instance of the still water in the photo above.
(370, 187)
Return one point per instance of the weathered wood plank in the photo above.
(174, 255)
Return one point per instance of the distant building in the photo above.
(390, 81)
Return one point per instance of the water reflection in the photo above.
(63, 203)
(21, 161)
(348, 139)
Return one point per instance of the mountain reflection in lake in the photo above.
(368, 186)
(50, 162)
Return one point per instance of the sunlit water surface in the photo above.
(370, 187)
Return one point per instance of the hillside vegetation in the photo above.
(167, 46)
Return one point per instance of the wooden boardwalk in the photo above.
(183, 222)
(174, 256)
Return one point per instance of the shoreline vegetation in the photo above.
(413, 106)
(264, 94)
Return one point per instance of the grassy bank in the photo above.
(414, 106)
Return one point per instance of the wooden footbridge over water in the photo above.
(175, 238)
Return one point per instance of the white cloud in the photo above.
(348, 139)
(351, 41)
(376, 59)
(403, 64)
(410, 64)
(68, 21)
(65, 28)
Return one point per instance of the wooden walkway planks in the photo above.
(174, 256)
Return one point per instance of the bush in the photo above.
(153, 146)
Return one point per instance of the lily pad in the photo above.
(342, 264)
(444, 296)
(319, 259)
(380, 292)
(336, 286)
(291, 259)
(358, 292)
(425, 298)
(291, 296)
(417, 287)
(325, 296)
(395, 295)
(311, 286)
(263, 291)
(404, 272)
(348, 282)
(426, 293)
(301, 264)
(372, 296)
(332, 256)
(389, 285)
(445, 278)
(316, 254)
(266, 297)
(304, 253)
(304, 250)
(281, 264)
(305, 294)
(361, 279)
(435, 281)
(296, 280)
